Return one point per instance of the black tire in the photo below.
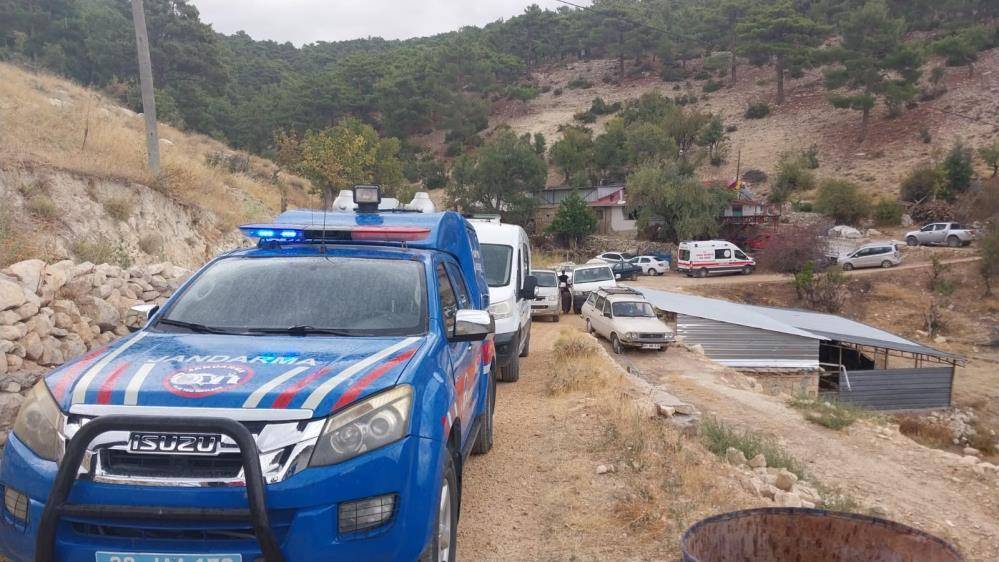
(616, 344)
(484, 440)
(511, 373)
(434, 550)
(589, 327)
(747, 270)
(557, 318)
(527, 345)
(701, 273)
(953, 241)
(912, 241)
(847, 267)
(886, 264)
(577, 308)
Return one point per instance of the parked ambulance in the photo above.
(699, 259)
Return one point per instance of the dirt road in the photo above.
(675, 280)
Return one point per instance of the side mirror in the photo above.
(472, 325)
(530, 289)
(139, 315)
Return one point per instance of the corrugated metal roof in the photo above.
(806, 323)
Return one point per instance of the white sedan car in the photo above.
(651, 265)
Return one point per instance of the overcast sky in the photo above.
(306, 21)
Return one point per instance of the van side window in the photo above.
(449, 303)
(740, 255)
(685, 255)
(464, 301)
(723, 254)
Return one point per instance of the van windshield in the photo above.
(546, 278)
(304, 295)
(592, 275)
(496, 261)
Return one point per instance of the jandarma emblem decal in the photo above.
(206, 380)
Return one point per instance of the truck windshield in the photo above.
(592, 275)
(496, 260)
(633, 310)
(546, 278)
(303, 295)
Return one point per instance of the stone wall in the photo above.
(50, 313)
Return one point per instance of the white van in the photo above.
(699, 259)
(506, 259)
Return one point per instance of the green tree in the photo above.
(689, 210)
(713, 137)
(990, 155)
(958, 169)
(500, 177)
(574, 219)
(844, 201)
(874, 62)
(922, 183)
(792, 175)
(778, 33)
(573, 154)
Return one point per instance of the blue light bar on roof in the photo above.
(279, 235)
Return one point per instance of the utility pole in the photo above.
(146, 86)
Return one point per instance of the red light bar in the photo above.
(389, 233)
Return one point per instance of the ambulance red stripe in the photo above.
(355, 390)
(104, 394)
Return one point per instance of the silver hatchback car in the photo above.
(876, 254)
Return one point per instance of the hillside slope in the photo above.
(74, 182)
(967, 111)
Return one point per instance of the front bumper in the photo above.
(545, 308)
(639, 342)
(303, 510)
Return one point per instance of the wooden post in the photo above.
(146, 85)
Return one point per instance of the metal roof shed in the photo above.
(856, 356)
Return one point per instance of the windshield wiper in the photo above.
(302, 331)
(194, 327)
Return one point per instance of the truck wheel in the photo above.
(616, 344)
(847, 266)
(557, 318)
(484, 440)
(702, 273)
(886, 264)
(445, 533)
(747, 270)
(953, 241)
(912, 241)
(511, 373)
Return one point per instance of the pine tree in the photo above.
(778, 33)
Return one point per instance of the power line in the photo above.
(639, 24)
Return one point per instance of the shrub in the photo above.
(38, 187)
(42, 206)
(718, 437)
(522, 92)
(925, 136)
(151, 244)
(921, 184)
(888, 212)
(827, 414)
(793, 175)
(758, 110)
(791, 248)
(557, 92)
(711, 86)
(824, 292)
(673, 74)
(802, 206)
(453, 149)
(924, 431)
(731, 128)
(844, 201)
(600, 107)
(119, 208)
(702, 75)
(579, 83)
(958, 169)
(810, 157)
(585, 117)
(100, 250)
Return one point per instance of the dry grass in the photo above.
(664, 480)
(924, 431)
(119, 208)
(828, 414)
(46, 119)
(718, 436)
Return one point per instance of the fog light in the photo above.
(16, 504)
(365, 514)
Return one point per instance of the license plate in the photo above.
(155, 557)
(174, 443)
(651, 346)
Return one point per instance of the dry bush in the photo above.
(574, 367)
(42, 206)
(100, 250)
(16, 242)
(120, 207)
(828, 414)
(792, 247)
(984, 438)
(151, 244)
(924, 431)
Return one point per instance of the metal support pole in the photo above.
(146, 85)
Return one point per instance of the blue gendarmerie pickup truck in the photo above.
(312, 398)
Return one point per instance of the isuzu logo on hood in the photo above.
(206, 380)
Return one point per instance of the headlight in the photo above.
(629, 336)
(552, 298)
(39, 422)
(502, 309)
(365, 426)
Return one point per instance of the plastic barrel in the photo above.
(774, 534)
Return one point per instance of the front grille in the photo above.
(113, 531)
(652, 336)
(122, 463)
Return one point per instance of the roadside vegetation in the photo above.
(719, 436)
(833, 415)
